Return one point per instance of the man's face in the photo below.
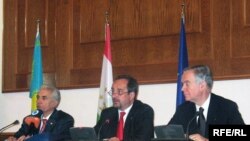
(120, 96)
(45, 102)
(191, 89)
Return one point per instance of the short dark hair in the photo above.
(132, 85)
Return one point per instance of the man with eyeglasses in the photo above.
(129, 119)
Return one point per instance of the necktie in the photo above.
(119, 133)
(43, 126)
(201, 122)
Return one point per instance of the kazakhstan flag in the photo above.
(37, 72)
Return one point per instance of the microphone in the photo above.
(34, 118)
(99, 131)
(187, 132)
(8, 126)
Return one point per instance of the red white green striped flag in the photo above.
(105, 100)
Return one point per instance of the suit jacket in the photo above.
(220, 111)
(138, 126)
(57, 127)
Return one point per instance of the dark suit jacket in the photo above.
(220, 111)
(139, 125)
(57, 127)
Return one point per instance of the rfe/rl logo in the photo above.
(229, 132)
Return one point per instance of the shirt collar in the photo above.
(42, 117)
(205, 106)
(126, 111)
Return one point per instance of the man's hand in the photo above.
(113, 139)
(11, 138)
(23, 138)
(197, 137)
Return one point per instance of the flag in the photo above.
(105, 100)
(37, 72)
(183, 62)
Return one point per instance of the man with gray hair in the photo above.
(47, 123)
(197, 83)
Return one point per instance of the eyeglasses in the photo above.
(119, 92)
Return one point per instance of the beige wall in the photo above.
(82, 103)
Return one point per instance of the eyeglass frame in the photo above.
(119, 93)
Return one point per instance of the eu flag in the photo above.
(37, 72)
(183, 63)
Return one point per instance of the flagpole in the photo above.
(37, 25)
(107, 17)
(183, 11)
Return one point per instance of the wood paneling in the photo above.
(144, 39)
(5, 135)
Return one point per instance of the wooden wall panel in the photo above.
(26, 14)
(64, 46)
(240, 49)
(9, 46)
(6, 135)
(144, 39)
(27, 28)
(240, 31)
(245, 5)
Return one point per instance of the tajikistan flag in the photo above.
(105, 100)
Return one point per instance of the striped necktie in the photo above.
(44, 121)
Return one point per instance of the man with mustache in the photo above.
(52, 124)
(137, 117)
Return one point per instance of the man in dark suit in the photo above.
(197, 85)
(57, 123)
(138, 119)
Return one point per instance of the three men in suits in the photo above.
(57, 125)
(138, 119)
(197, 85)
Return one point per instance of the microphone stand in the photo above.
(8, 126)
(99, 131)
(188, 125)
